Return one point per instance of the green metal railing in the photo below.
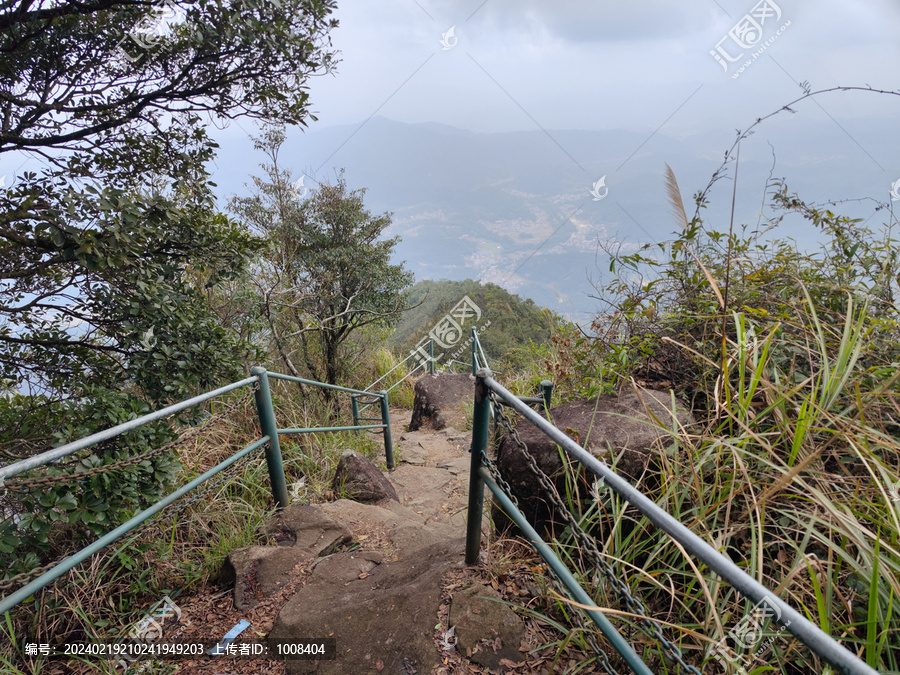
(270, 433)
(483, 473)
(356, 399)
(479, 359)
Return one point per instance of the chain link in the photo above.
(15, 485)
(602, 657)
(182, 505)
(634, 605)
(178, 508)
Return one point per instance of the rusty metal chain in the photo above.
(197, 494)
(22, 578)
(15, 485)
(19, 580)
(588, 633)
(602, 657)
(634, 605)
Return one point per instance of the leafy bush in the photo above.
(42, 520)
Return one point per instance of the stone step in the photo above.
(380, 602)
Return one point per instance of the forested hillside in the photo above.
(515, 323)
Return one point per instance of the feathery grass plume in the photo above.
(677, 207)
(674, 195)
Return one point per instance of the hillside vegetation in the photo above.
(791, 364)
(516, 326)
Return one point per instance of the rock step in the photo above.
(381, 601)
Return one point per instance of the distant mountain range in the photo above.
(517, 209)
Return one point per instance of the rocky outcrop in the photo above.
(303, 533)
(486, 629)
(620, 430)
(440, 399)
(382, 602)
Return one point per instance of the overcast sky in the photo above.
(603, 64)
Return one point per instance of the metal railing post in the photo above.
(388, 441)
(354, 407)
(431, 356)
(273, 451)
(619, 643)
(480, 428)
(546, 393)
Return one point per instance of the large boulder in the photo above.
(382, 614)
(358, 479)
(440, 399)
(616, 429)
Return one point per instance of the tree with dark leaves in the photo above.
(107, 248)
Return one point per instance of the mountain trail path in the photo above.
(386, 582)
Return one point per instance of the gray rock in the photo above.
(440, 399)
(259, 571)
(379, 613)
(303, 533)
(485, 627)
(309, 529)
(609, 427)
(357, 478)
(403, 528)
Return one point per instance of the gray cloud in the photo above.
(585, 21)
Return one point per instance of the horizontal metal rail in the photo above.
(385, 412)
(565, 576)
(322, 385)
(311, 430)
(811, 635)
(269, 439)
(35, 585)
(86, 442)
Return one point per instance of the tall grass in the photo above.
(794, 482)
(401, 380)
(793, 470)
